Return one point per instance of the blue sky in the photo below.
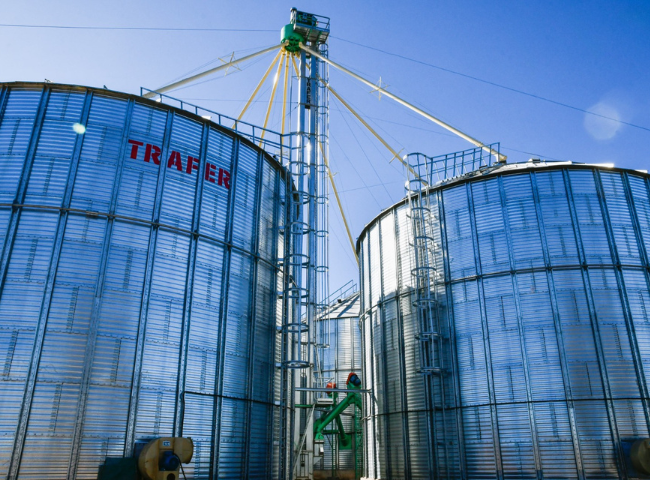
(591, 55)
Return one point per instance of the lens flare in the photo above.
(605, 124)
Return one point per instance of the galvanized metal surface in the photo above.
(546, 328)
(137, 299)
(342, 357)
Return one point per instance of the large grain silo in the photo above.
(138, 284)
(540, 294)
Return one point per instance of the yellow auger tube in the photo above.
(275, 86)
(284, 96)
(295, 67)
(257, 89)
(365, 124)
(338, 200)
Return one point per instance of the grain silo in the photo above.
(340, 324)
(541, 326)
(139, 272)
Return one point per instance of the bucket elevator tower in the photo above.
(305, 287)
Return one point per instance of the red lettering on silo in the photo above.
(152, 152)
(175, 160)
(209, 172)
(224, 178)
(192, 164)
(134, 147)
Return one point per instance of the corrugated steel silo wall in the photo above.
(342, 357)
(138, 285)
(547, 313)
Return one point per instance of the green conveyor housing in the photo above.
(345, 439)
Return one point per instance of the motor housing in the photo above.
(161, 458)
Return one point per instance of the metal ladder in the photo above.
(424, 271)
(426, 306)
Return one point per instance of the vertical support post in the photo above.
(301, 287)
(514, 281)
(487, 350)
(300, 260)
(595, 325)
(40, 331)
(251, 385)
(129, 441)
(179, 413)
(451, 326)
(322, 200)
(568, 394)
(305, 262)
(223, 312)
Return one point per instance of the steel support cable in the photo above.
(208, 72)
(501, 157)
(343, 247)
(494, 84)
(243, 68)
(547, 157)
(273, 90)
(338, 200)
(385, 134)
(155, 29)
(257, 89)
(365, 124)
(365, 154)
(350, 162)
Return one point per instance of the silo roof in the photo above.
(493, 170)
(349, 307)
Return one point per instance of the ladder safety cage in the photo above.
(425, 304)
(429, 281)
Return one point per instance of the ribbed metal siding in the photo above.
(395, 425)
(342, 357)
(137, 300)
(547, 297)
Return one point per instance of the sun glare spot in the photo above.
(598, 126)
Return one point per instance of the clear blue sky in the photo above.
(593, 55)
